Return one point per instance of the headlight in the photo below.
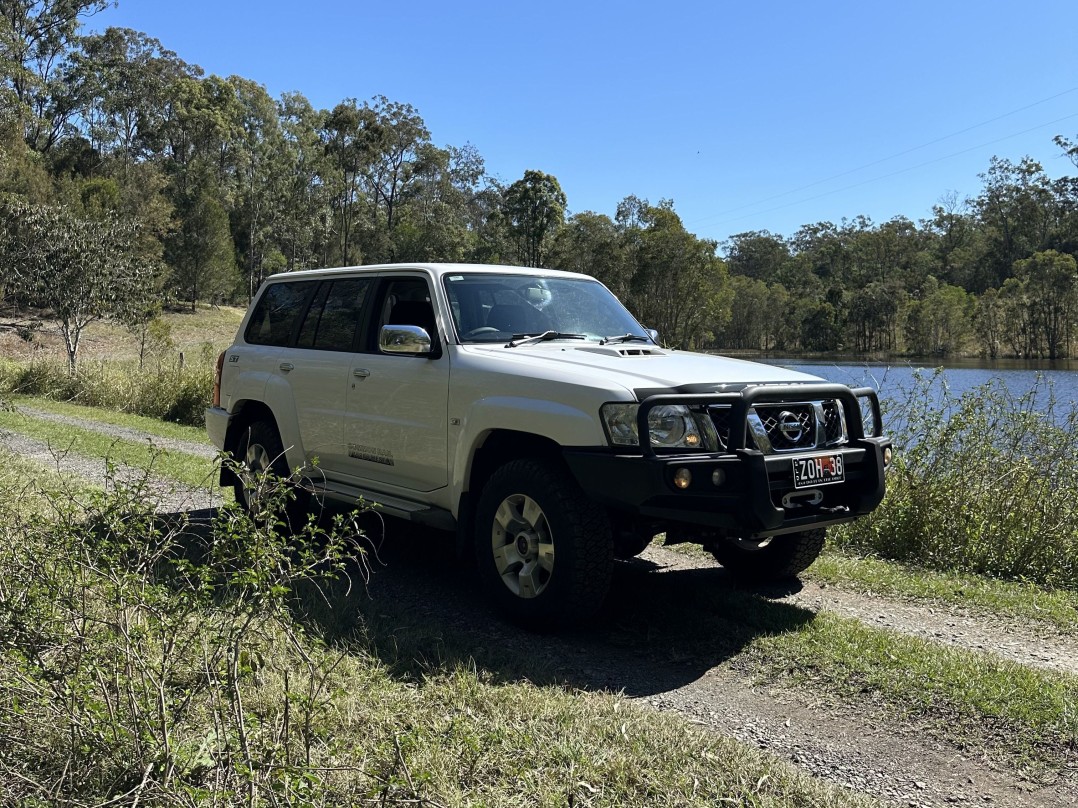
(670, 426)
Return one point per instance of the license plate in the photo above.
(818, 470)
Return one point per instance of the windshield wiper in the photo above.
(528, 339)
(623, 338)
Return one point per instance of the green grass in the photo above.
(1056, 607)
(188, 469)
(910, 676)
(164, 390)
(30, 486)
(461, 739)
(151, 426)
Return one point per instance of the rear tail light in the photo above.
(217, 380)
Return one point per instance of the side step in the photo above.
(438, 518)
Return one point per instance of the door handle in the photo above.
(287, 366)
(360, 373)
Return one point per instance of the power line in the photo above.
(902, 153)
(883, 176)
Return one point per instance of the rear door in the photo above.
(318, 367)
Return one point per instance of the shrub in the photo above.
(147, 660)
(985, 482)
(170, 391)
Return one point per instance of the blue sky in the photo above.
(750, 116)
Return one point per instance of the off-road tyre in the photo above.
(259, 450)
(782, 557)
(536, 502)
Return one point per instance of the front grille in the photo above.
(720, 418)
(789, 427)
(808, 425)
(832, 421)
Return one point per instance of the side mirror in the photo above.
(405, 339)
(651, 332)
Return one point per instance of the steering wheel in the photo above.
(486, 329)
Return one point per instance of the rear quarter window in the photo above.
(334, 315)
(274, 318)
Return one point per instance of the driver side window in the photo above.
(407, 301)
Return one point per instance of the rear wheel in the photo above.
(261, 464)
(770, 559)
(544, 550)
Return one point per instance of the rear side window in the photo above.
(331, 321)
(277, 312)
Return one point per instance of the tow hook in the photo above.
(799, 499)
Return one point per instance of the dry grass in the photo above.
(33, 335)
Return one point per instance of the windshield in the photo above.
(497, 308)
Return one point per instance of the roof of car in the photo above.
(437, 270)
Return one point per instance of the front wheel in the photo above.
(770, 559)
(544, 550)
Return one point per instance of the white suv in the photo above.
(527, 410)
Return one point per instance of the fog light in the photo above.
(718, 477)
(887, 454)
(682, 478)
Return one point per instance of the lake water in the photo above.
(892, 379)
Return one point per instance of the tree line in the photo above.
(200, 186)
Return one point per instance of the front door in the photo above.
(396, 417)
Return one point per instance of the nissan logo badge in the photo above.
(790, 426)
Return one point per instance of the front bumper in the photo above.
(741, 491)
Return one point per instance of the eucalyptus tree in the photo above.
(990, 323)
(748, 325)
(399, 148)
(201, 134)
(939, 321)
(757, 254)
(305, 207)
(1050, 284)
(260, 168)
(200, 250)
(534, 209)
(348, 133)
(956, 241)
(37, 38)
(589, 242)
(678, 284)
(1018, 212)
(126, 76)
(434, 222)
(203, 119)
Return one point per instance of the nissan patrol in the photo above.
(527, 410)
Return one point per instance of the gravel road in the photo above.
(172, 496)
(646, 649)
(1024, 641)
